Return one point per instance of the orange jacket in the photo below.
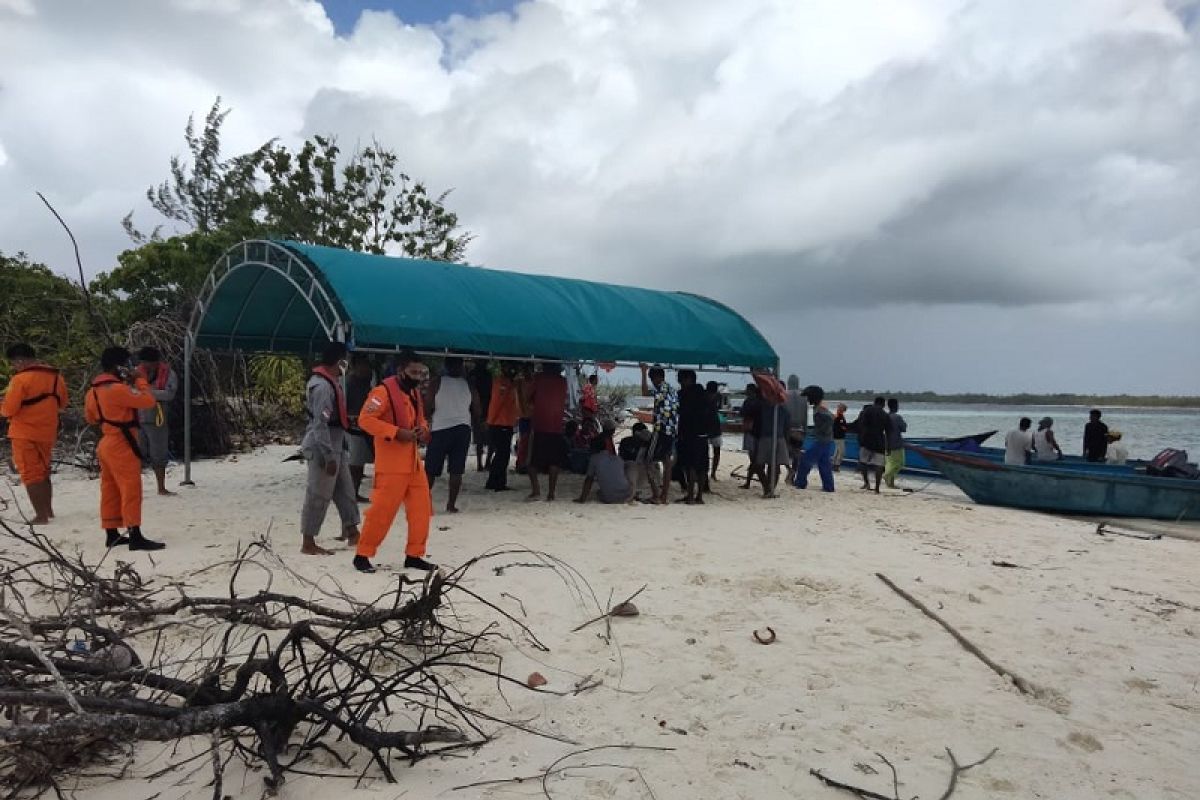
(113, 405)
(387, 411)
(504, 407)
(35, 396)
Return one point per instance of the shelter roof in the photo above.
(277, 295)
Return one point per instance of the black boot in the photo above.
(113, 538)
(139, 542)
(413, 562)
(363, 564)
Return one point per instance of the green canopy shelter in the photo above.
(282, 296)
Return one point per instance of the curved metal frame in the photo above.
(265, 255)
(279, 259)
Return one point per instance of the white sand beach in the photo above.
(1094, 622)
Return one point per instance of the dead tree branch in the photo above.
(1023, 686)
(956, 770)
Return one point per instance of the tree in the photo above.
(46, 310)
(362, 202)
(209, 193)
(367, 204)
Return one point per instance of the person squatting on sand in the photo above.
(633, 451)
(112, 402)
(606, 471)
(327, 452)
(394, 415)
(36, 395)
(153, 431)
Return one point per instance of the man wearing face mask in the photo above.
(394, 415)
(326, 450)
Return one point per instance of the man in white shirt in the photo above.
(1018, 444)
(453, 403)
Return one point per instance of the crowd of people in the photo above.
(415, 428)
(127, 402)
(1101, 444)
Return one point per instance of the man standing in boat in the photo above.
(1095, 438)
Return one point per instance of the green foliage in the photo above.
(366, 205)
(361, 201)
(162, 277)
(215, 192)
(278, 382)
(46, 310)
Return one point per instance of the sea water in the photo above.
(1145, 431)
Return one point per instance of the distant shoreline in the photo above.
(1099, 401)
(1182, 402)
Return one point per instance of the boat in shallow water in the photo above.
(914, 462)
(1042, 488)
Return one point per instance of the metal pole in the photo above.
(187, 410)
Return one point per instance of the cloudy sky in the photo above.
(987, 195)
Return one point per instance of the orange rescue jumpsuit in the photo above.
(399, 473)
(113, 405)
(35, 396)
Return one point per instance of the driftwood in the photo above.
(956, 770)
(555, 769)
(1023, 686)
(271, 678)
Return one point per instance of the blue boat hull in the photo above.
(915, 463)
(1072, 491)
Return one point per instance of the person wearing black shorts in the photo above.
(453, 403)
(548, 449)
(694, 430)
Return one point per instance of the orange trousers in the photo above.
(120, 484)
(392, 490)
(32, 460)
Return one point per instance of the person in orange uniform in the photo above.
(113, 401)
(503, 412)
(394, 416)
(36, 394)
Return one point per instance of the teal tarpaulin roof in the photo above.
(259, 299)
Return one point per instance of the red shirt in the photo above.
(549, 402)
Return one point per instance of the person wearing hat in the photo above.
(1045, 446)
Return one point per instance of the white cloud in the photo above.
(778, 155)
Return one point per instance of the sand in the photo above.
(855, 669)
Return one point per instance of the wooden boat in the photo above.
(1078, 463)
(1042, 488)
(914, 462)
